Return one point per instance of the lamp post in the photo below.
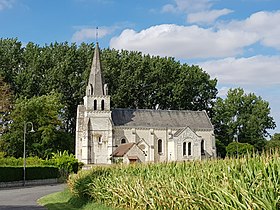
(24, 152)
(236, 138)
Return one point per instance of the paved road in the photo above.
(25, 198)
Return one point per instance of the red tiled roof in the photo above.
(122, 149)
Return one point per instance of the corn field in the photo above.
(244, 183)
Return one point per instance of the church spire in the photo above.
(95, 83)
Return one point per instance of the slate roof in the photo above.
(148, 118)
(95, 78)
(122, 149)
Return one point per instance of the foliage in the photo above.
(239, 149)
(15, 173)
(134, 80)
(67, 163)
(274, 142)
(246, 183)
(149, 82)
(6, 96)
(11, 173)
(30, 161)
(44, 112)
(221, 149)
(5, 104)
(42, 172)
(243, 116)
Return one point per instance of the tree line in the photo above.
(45, 84)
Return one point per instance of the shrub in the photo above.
(42, 172)
(236, 148)
(15, 173)
(67, 163)
(9, 174)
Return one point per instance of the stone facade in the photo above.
(161, 135)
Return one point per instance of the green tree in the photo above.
(135, 80)
(241, 116)
(239, 149)
(274, 142)
(148, 82)
(5, 104)
(44, 112)
(10, 61)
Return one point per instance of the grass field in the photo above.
(245, 183)
(65, 201)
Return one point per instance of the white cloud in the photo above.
(85, 34)
(197, 11)
(257, 70)
(207, 17)
(187, 42)
(184, 41)
(6, 4)
(264, 24)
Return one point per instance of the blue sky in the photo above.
(235, 41)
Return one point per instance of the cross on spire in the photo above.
(96, 35)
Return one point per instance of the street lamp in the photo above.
(24, 153)
(236, 138)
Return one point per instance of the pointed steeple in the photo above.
(95, 83)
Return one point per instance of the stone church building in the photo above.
(105, 135)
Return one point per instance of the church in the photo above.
(107, 136)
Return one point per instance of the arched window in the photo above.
(202, 147)
(95, 105)
(102, 105)
(184, 148)
(189, 148)
(123, 141)
(159, 146)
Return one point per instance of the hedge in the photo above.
(14, 173)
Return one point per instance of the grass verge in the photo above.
(64, 200)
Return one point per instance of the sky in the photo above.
(235, 41)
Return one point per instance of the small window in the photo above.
(202, 147)
(94, 105)
(99, 140)
(184, 148)
(91, 89)
(189, 148)
(159, 146)
(123, 141)
(102, 105)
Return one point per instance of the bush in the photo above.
(9, 174)
(42, 172)
(67, 163)
(241, 149)
(30, 161)
(15, 173)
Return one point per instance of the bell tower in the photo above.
(94, 123)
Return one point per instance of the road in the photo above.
(25, 198)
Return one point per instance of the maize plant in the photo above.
(251, 182)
